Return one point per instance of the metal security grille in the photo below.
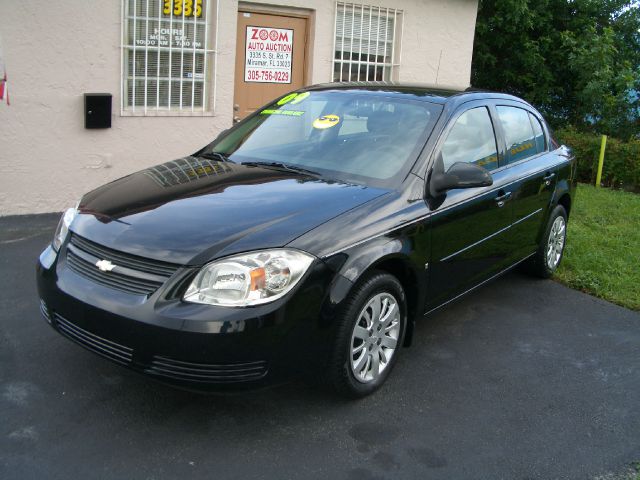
(166, 60)
(366, 47)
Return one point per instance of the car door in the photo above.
(533, 170)
(469, 227)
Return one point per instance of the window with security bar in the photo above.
(367, 42)
(167, 61)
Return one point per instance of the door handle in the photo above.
(502, 199)
(547, 178)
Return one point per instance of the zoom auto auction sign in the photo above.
(269, 55)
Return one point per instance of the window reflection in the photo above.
(471, 140)
(185, 170)
(518, 132)
(539, 134)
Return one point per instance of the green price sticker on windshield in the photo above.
(293, 98)
(286, 113)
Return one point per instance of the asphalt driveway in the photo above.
(523, 379)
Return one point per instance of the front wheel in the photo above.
(370, 333)
(547, 258)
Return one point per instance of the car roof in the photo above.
(432, 93)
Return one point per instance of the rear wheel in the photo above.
(547, 258)
(369, 335)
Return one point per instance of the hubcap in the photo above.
(375, 337)
(555, 244)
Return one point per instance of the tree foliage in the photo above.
(578, 61)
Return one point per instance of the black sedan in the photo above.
(308, 238)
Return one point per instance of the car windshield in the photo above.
(368, 138)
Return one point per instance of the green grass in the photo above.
(602, 255)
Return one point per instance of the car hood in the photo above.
(193, 210)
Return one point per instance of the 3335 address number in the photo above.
(188, 8)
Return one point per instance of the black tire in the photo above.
(537, 265)
(339, 370)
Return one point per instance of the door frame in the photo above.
(283, 11)
(467, 197)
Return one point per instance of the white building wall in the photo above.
(54, 53)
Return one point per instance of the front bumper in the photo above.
(191, 346)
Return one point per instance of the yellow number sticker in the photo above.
(167, 7)
(287, 99)
(293, 98)
(300, 97)
(188, 8)
(326, 121)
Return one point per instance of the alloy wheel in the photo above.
(375, 337)
(555, 244)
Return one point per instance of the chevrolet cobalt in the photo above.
(310, 237)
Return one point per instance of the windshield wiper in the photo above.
(283, 166)
(216, 156)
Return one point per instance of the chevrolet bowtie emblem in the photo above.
(105, 265)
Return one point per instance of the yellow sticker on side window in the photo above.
(326, 121)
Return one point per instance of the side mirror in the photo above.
(460, 175)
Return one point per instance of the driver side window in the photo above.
(471, 140)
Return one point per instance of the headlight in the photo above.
(63, 227)
(249, 279)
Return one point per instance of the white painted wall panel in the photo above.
(56, 52)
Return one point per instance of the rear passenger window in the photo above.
(471, 140)
(538, 133)
(518, 132)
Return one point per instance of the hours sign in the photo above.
(269, 55)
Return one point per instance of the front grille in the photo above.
(133, 262)
(161, 366)
(207, 373)
(106, 348)
(110, 279)
(132, 274)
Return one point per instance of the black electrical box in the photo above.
(97, 110)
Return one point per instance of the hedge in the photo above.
(621, 161)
